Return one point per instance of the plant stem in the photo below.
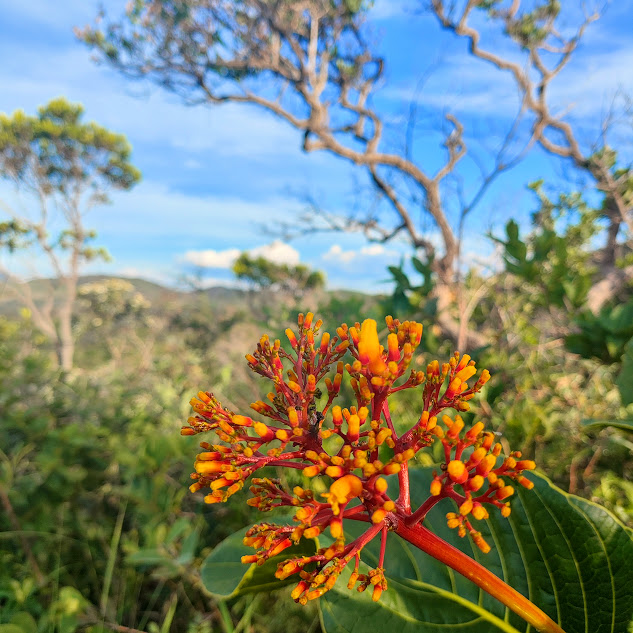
(226, 620)
(15, 523)
(439, 549)
(404, 499)
(423, 510)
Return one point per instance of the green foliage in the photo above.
(56, 152)
(410, 299)
(555, 258)
(265, 274)
(554, 262)
(226, 577)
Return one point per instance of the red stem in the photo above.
(404, 500)
(383, 545)
(483, 578)
(385, 410)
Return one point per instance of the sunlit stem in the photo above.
(383, 546)
(439, 549)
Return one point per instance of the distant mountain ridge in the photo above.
(155, 293)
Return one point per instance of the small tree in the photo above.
(263, 273)
(68, 167)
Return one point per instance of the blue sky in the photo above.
(213, 177)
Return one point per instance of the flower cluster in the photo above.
(305, 430)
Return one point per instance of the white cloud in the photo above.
(375, 250)
(211, 258)
(277, 252)
(336, 253)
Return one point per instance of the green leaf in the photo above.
(25, 621)
(567, 555)
(625, 378)
(597, 425)
(149, 557)
(400, 277)
(11, 628)
(226, 577)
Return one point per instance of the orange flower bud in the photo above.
(210, 467)
(436, 487)
(525, 464)
(241, 420)
(342, 490)
(334, 471)
(463, 362)
(475, 483)
(250, 558)
(391, 469)
(380, 485)
(473, 433)
(486, 465)
(457, 471)
(336, 527)
(466, 507)
(263, 431)
(480, 542)
(369, 349)
(299, 589)
(505, 492)
(466, 373)
(291, 337)
(479, 512)
(214, 497)
(312, 532)
(453, 389)
(353, 424)
(392, 344)
(378, 515)
(325, 341)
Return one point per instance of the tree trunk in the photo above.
(65, 340)
(458, 332)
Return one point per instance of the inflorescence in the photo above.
(473, 473)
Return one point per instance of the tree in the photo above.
(264, 274)
(67, 167)
(309, 62)
(540, 53)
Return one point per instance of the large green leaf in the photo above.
(226, 577)
(625, 379)
(569, 556)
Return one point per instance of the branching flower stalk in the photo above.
(343, 445)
